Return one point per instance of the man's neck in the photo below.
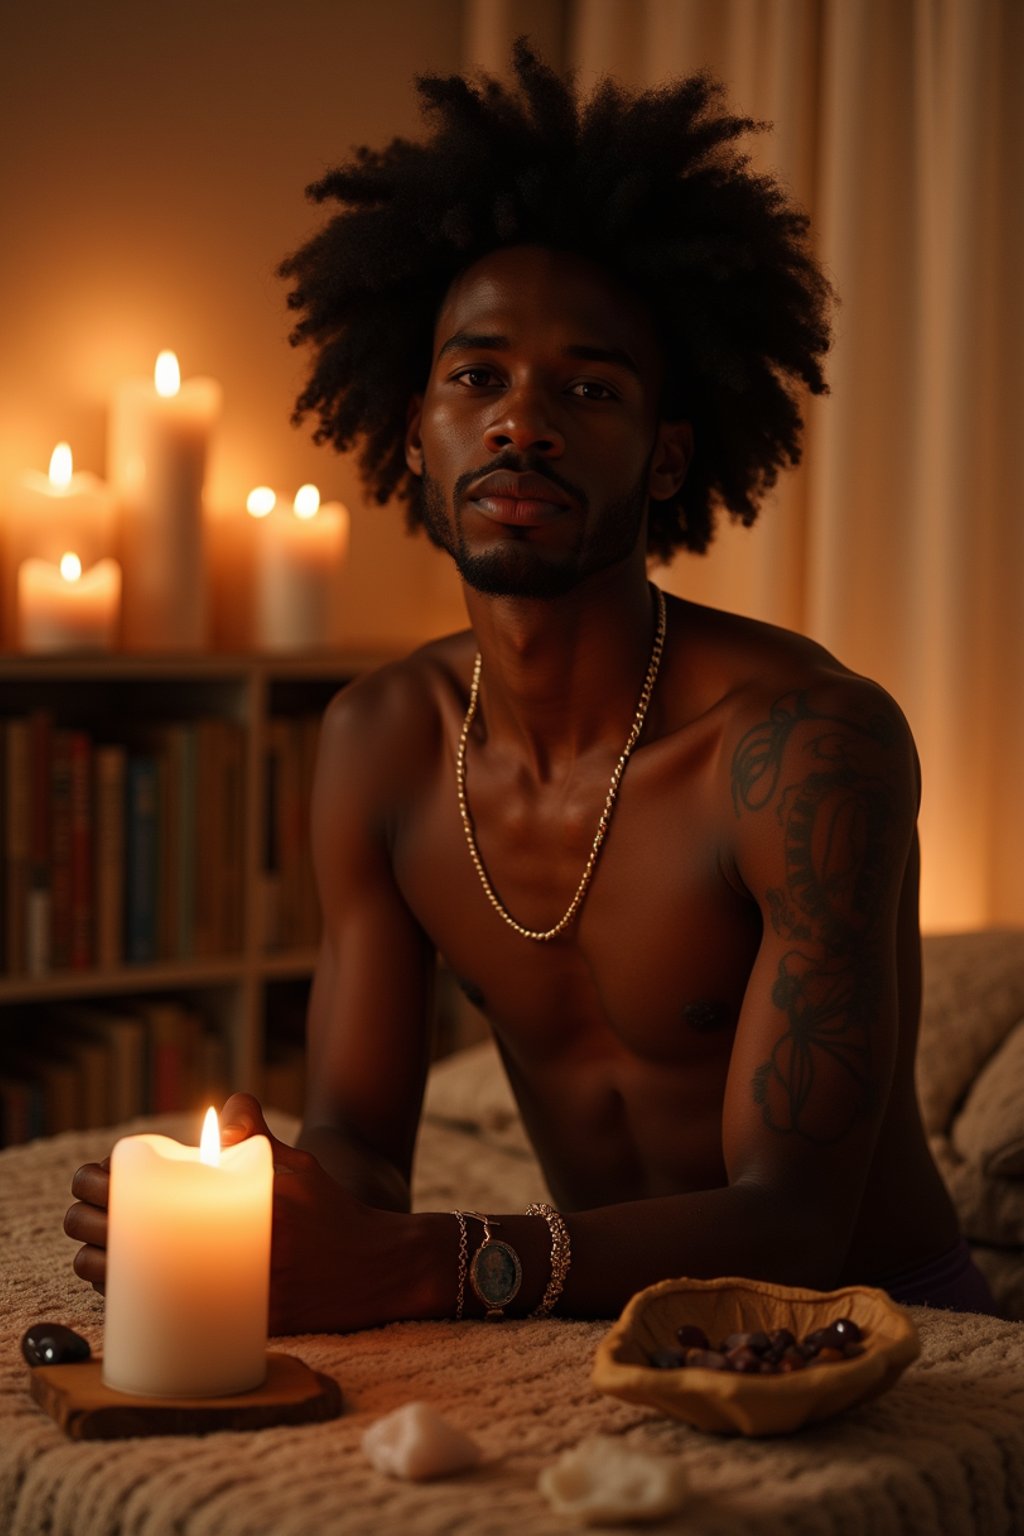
(562, 676)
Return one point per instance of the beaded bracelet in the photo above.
(561, 1256)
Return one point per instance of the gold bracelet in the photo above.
(460, 1294)
(561, 1256)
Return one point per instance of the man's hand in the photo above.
(86, 1222)
(336, 1264)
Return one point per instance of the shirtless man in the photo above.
(708, 1018)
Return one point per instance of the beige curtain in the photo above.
(899, 544)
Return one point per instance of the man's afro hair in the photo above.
(648, 185)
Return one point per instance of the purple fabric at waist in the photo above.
(952, 1282)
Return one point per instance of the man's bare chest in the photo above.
(655, 961)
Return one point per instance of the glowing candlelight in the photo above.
(298, 561)
(51, 513)
(62, 608)
(188, 1265)
(160, 430)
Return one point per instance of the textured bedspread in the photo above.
(943, 1452)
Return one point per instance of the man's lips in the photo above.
(525, 501)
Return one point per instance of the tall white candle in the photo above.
(159, 437)
(299, 556)
(62, 608)
(188, 1266)
(52, 513)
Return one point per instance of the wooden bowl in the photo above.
(727, 1402)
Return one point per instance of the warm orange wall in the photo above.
(152, 166)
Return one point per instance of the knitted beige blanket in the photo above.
(941, 1454)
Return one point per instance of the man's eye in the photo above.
(590, 389)
(475, 378)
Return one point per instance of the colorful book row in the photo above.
(125, 851)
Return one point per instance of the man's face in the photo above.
(538, 439)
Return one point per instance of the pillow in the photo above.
(989, 1130)
(973, 998)
(469, 1090)
(989, 1210)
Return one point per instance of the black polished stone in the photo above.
(53, 1344)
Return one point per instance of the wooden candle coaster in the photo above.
(85, 1409)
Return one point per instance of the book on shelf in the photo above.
(60, 850)
(120, 852)
(38, 908)
(83, 905)
(109, 855)
(141, 853)
(17, 777)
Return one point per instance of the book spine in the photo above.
(38, 913)
(141, 871)
(83, 914)
(187, 846)
(110, 855)
(233, 872)
(60, 850)
(17, 842)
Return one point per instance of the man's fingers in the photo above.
(91, 1183)
(91, 1264)
(86, 1224)
(242, 1116)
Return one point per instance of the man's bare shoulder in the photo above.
(756, 673)
(391, 721)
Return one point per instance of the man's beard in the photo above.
(519, 568)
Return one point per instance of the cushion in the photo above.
(989, 1130)
(973, 998)
(990, 1210)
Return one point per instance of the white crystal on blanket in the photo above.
(416, 1443)
(601, 1481)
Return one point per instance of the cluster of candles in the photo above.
(92, 564)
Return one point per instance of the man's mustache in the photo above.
(519, 464)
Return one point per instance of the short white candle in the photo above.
(160, 431)
(299, 556)
(62, 608)
(49, 514)
(188, 1266)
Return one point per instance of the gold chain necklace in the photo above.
(542, 935)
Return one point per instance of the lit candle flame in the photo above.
(261, 501)
(209, 1141)
(70, 566)
(61, 465)
(307, 501)
(167, 375)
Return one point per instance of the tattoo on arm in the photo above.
(835, 816)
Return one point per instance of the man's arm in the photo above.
(368, 1033)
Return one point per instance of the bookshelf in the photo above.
(249, 990)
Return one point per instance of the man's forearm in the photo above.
(618, 1250)
(357, 1167)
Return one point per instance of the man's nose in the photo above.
(524, 423)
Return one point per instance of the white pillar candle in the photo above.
(159, 437)
(49, 514)
(62, 608)
(188, 1266)
(299, 555)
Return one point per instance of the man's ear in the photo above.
(673, 450)
(413, 446)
